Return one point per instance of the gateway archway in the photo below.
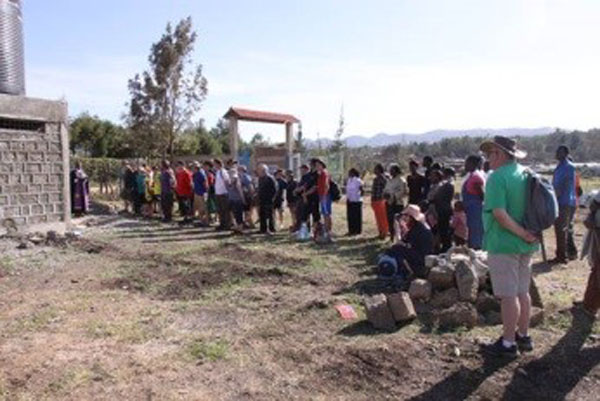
(236, 114)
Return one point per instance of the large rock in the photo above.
(487, 302)
(445, 299)
(482, 271)
(379, 313)
(401, 306)
(466, 280)
(442, 277)
(461, 314)
(420, 290)
(537, 316)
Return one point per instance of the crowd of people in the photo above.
(421, 213)
(227, 196)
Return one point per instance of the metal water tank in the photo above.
(12, 58)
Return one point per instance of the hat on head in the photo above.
(506, 144)
(414, 211)
(320, 161)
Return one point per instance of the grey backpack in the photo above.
(541, 208)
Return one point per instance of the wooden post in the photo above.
(289, 142)
(233, 137)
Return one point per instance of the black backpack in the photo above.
(334, 191)
(541, 208)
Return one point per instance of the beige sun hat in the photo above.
(506, 144)
(414, 211)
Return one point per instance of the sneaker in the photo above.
(524, 343)
(498, 349)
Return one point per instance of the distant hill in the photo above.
(383, 139)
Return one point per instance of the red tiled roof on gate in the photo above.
(260, 116)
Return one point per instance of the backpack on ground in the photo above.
(541, 206)
(334, 191)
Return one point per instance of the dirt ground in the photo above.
(139, 310)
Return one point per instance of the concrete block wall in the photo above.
(34, 163)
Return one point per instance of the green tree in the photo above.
(165, 98)
(94, 137)
(220, 133)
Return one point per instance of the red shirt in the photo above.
(475, 183)
(323, 183)
(184, 182)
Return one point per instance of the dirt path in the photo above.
(137, 310)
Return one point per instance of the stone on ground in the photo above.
(401, 306)
(420, 290)
(445, 299)
(537, 316)
(431, 261)
(442, 277)
(379, 313)
(493, 318)
(534, 293)
(457, 257)
(482, 271)
(487, 302)
(466, 280)
(461, 314)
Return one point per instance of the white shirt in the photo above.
(221, 182)
(353, 189)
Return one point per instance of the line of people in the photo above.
(227, 195)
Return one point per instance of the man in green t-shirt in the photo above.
(509, 245)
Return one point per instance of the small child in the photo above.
(459, 224)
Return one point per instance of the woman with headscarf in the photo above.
(80, 190)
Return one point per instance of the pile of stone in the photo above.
(457, 292)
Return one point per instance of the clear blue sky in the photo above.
(397, 66)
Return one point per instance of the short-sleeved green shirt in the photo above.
(505, 189)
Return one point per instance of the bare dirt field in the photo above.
(139, 310)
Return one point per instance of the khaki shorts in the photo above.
(510, 274)
(199, 205)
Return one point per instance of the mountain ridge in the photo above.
(385, 139)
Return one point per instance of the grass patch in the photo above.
(7, 266)
(130, 332)
(37, 321)
(69, 381)
(203, 350)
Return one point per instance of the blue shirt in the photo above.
(564, 183)
(199, 183)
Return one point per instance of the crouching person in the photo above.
(509, 245)
(413, 241)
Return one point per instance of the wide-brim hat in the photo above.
(320, 161)
(414, 211)
(506, 144)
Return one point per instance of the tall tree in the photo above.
(165, 97)
(338, 142)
